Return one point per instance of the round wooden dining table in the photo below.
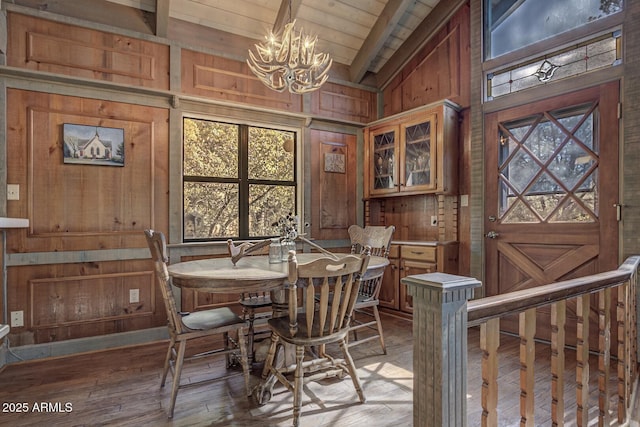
(252, 274)
(249, 274)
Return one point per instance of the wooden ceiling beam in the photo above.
(380, 32)
(162, 17)
(283, 16)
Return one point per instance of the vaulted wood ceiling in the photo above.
(367, 39)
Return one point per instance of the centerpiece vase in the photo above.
(287, 245)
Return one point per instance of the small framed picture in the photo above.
(93, 145)
(334, 162)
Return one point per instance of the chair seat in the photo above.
(210, 319)
(366, 301)
(280, 325)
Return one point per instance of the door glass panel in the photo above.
(383, 161)
(417, 155)
(570, 212)
(519, 213)
(571, 164)
(521, 169)
(548, 171)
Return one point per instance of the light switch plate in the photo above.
(13, 192)
(134, 296)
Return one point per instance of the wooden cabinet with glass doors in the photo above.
(414, 152)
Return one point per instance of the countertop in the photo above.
(422, 242)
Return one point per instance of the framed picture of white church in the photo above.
(93, 145)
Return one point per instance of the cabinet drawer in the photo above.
(419, 253)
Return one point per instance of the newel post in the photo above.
(440, 347)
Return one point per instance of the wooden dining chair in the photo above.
(318, 322)
(256, 306)
(378, 238)
(184, 327)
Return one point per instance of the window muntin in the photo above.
(513, 24)
(548, 167)
(238, 179)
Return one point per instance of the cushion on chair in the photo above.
(208, 319)
(281, 326)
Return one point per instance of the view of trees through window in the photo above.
(549, 167)
(514, 24)
(238, 179)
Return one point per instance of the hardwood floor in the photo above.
(121, 388)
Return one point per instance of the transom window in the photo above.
(514, 24)
(237, 179)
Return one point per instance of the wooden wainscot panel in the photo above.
(344, 103)
(53, 47)
(440, 70)
(333, 184)
(228, 80)
(61, 301)
(77, 306)
(82, 206)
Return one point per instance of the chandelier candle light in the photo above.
(287, 60)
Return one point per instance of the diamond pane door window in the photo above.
(548, 167)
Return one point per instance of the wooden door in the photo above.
(551, 190)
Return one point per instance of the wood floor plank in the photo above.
(122, 388)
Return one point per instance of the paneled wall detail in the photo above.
(345, 103)
(85, 206)
(64, 301)
(440, 70)
(52, 47)
(333, 184)
(96, 199)
(228, 80)
(45, 49)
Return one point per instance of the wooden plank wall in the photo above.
(439, 70)
(84, 211)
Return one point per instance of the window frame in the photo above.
(242, 180)
(558, 41)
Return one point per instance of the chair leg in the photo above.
(379, 324)
(244, 360)
(268, 363)
(176, 376)
(352, 370)
(298, 385)
(167, 361)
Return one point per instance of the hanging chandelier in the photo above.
(287, 60)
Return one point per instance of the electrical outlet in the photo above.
(13, 192)
(17, 319)
(434, 220)
(134, 296)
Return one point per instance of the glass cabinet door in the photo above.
(418, 157)
(384, 146)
